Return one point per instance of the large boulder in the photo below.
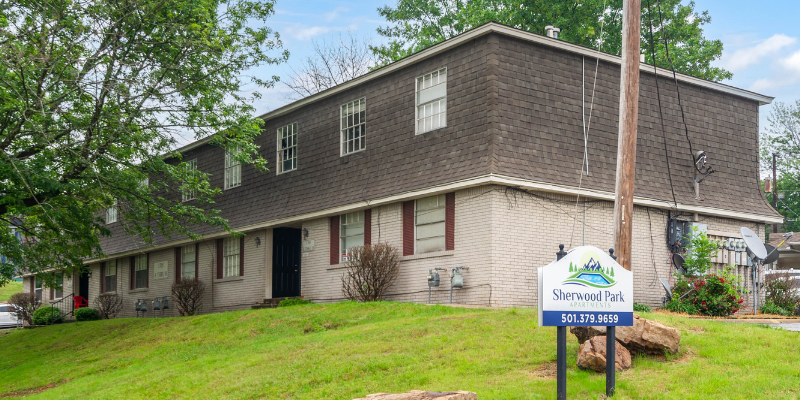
(592, 355)
(423, 395)
(644, 337)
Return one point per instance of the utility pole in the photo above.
(628, 121)
(774, 190)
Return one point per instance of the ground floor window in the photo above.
(230, 266)
(37, 288)
(430, 224)
(140, 271)
(352, 233)
(111, 277)
(58, 288)
(187, 261)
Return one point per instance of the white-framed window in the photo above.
(140, 271)
(351, 233)
(287, 148)
(353, 126)
(58, 289)
(233, 169)
(37, 288)
(429, 217)
(187, 261)
(431, 100)
(230, 257)
(110, 282)
(111, 214)
(192, 165)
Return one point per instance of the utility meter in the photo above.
(457, 280)
(433, 277)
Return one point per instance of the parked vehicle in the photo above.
(7, 317)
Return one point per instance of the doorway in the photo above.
(83, 285)
(286, 244)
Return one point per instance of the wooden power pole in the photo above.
(628, 121)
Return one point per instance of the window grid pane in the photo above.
(233, 169)
(353, 128)
(430, 224)
(352, 233)
(432, 101)
(140, 269)
(287, 148)
(111, 277)
(191, 194)
(187, 261)
(111, 214)
(230, 257)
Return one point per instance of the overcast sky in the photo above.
(761, 39)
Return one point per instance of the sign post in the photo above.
(584, 287)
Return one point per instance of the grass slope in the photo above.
(348, 350)
(10, 288)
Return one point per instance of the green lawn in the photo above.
(8, 289)
(348, 350)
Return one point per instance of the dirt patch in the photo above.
(30, 391)
(328, 326)
(547, 371)
(696, 329)
(684, 357)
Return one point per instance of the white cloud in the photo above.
(787, 72)
(330, 16)
(304, 32)
(744, 58)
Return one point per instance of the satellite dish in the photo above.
(677, 261)
(772, 254)
(755, 249)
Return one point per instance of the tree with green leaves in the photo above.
(419, 24)
(96, 95)
(782, 138)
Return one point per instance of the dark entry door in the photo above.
(286, 262)
(83, 286)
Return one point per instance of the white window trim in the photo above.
(225, 257)
(192, 195)
(416, 105)
(342, 140)
(183, 260)
(116, 277)
(342, 223)
(136, 265)
(108, 214)
(280, 169)
(229, 157)
(416, 252)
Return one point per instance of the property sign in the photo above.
(585, 287)
(160, 270)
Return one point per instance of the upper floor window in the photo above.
(230, 257)
(187, 261)
(140, 271)
(110, 283)
(432, 101)
(233, 169)
(192, 194)
(430, 224)
(353, 126)
(287, 148)
(352, 233)
(111, 214)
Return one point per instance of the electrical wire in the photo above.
(695, 160)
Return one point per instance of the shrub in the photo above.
(710, 294)
(370, 272)
(700, 250)
(86, 314)
(782, 290)
(46, 316)
(24, 305)
(293, 302)
(770, 308)
(108, 305)
(188, 295)
(641, 307)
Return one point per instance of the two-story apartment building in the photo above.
(468, 153)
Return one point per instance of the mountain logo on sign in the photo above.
(589, 272)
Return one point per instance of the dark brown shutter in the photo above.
(102, 277)
(408, 228)
(197, 260)
(450, 221)
(147, 274)
(219, 258)
(131, 262)
(177, 264)
(367, 227)
(241, 256)
(334, 222)
(52, 295)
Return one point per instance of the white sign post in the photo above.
(584, 287)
